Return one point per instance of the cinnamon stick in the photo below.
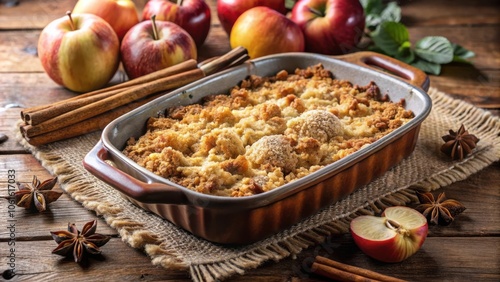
(344, 272)
(89, 125)
(233, 57)
(109, 103)
(38, 114)
(54, 110)
(94, 110)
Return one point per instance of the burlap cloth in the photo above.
(172, 248)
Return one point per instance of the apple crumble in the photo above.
(265, 132)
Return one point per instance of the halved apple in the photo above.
(393, 237)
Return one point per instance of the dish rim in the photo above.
(289, 188)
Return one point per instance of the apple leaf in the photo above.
(372, 21)
(375, 48)
(372, 6)
(405, 53)
(435, 49)
(426, 66)
(290, 3)
(391, 13)
(377, 12)
(460, 54)
(373, 10)
(389, 36)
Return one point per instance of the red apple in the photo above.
(393, 237)
(80, 52)
(153, 45)
(228, 11)
(192, 15)
(120, 14)
(330, 27)
(263, 31)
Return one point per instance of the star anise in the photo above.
(38, 195)
(441, 211)
(459, 144)
(76, 243)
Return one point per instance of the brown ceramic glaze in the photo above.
(248, 219)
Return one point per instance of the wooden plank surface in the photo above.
(439, 258)
(467, 250)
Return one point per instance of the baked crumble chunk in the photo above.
(265, 132)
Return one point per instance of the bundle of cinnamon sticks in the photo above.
(92, 111)
(343, 272)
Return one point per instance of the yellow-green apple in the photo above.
(392, 237)
(153, 45)
(80, 52)
(330, 27)
(192, 15)
(228, 11)
(264, 31)
(120, 14)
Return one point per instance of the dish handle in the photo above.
(95, 163)
(395, 67)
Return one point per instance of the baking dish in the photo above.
(244, 220)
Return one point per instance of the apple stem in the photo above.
(316, 12)
(155, 30)
(179, 2)
(68, 13)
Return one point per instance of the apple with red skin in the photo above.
(120, 14)
(393, 237)
(330, 27)
(192, 15)
(264, 31)
(153, 45)
(228, 11)
(80, 52)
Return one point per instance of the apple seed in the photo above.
(394, 225)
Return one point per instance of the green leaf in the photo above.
(372, 6)
(391, 13)
(375, 48)
(405, 53)
(389, 36)
(290, 3)
(372, 21)
(435, 49)
(460, 54)
(426, 66)
(377, 12)
(372, 9)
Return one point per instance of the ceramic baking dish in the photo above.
(245, 220)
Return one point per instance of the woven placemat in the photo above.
(173, 248)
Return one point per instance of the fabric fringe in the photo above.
(458, 172)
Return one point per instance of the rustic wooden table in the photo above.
(467, 250)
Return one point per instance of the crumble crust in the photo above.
(266, 132)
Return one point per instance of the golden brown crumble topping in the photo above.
(266, 132)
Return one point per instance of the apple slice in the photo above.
(392, 237)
